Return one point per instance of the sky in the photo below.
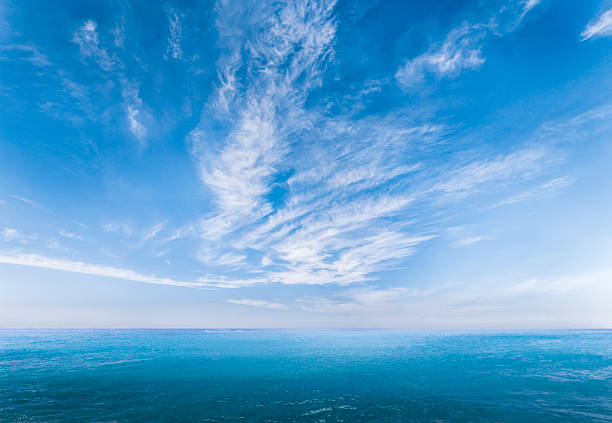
(310, 163)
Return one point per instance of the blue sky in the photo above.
(306, 164)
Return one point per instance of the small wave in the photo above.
(109, 363)
(320, 410)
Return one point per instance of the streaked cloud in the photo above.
(175, 30)
(527, 6)
(335, 209)
(517, 165)
(153, 231)
(122, 228)
(259, 303)
(87, 38)
(27, 52)
(133, 106)
(600, 26)
(468, 241)
(70, 235)
(462, 49)
(541, 191)
(293, 154)
(33, 260)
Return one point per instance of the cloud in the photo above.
(11, 234)
(468, 241)
(544, 190)
(536, 303)
(153, 231)
(315, 235)
(519, 165)
(462, 49)
(184, 231)
(70, 235)
(300, 198)
(176, 32)
(33, 260)
(87, 38)
(527, 6)
(27, 201)
(598, 27)
(283, 62)
(259, 303)
(27, 52)
(124, 229)
(137, 128)
(133, 106)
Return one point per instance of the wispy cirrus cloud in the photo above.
(259, 303)
(304, 199)
(301, 194)
(544, 190)
(303, 239)
(527, 6)
(27, 52)
(175, 29)
(70, 235)
(462, 47)
(600, 26)
(517, 165)
(34, 260)
(468, 241)
(133, 105)
(87, 37)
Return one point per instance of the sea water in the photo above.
(304, 376)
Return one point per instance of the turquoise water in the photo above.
(305, 376)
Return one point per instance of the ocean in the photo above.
(304, 376)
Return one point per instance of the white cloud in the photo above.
(259, 303)
(544, 302)
(137, 128)
(33, 260)
(598, 27)
(468, 241)
(304, 199)
(27, 201)
(133, 106)
(283, 62)
(179, 233)
(514, 166)
(70, 235)
(462, 49)
(544, 190)
(176, 33)
(11, 234)
(153, 231)
(27, 52)
(527, 6)
(122, 228)
(87, 39)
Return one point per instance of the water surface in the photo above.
(304, 376)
